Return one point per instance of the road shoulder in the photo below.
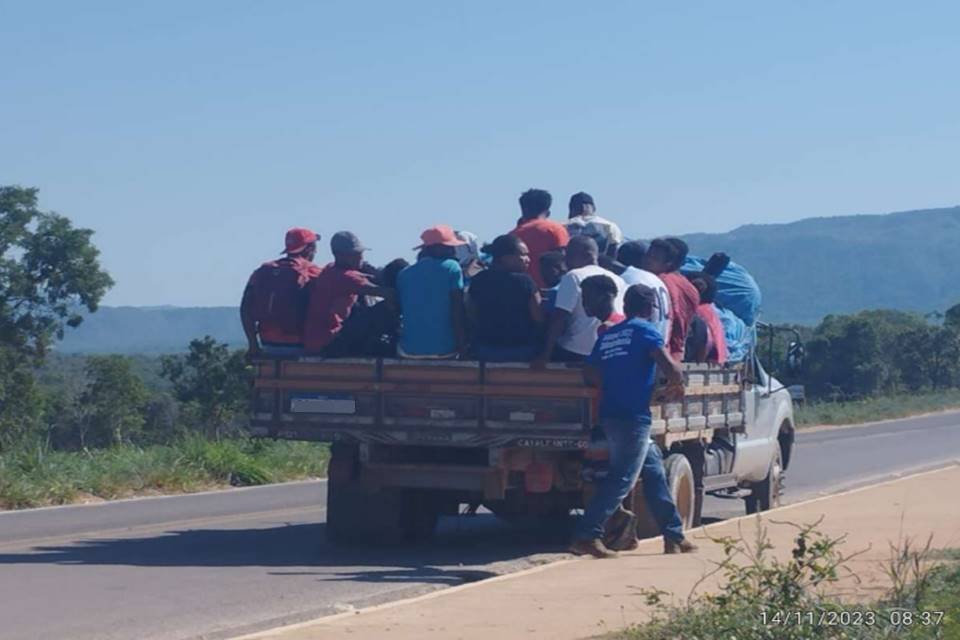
(580, 598)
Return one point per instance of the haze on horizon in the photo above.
(191, 135)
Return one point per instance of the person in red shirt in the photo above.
(663, 259)
(715, 347)
(537, 231)
(274, 301)
(336, 326)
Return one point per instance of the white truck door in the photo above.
(755, 447)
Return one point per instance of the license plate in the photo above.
(443, 414)
(317, 403)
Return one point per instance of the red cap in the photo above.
(440, 234)
(298, 238)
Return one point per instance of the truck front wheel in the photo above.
(766, 493)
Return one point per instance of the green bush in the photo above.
(763, 598)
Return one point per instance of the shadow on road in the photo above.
(301, 546)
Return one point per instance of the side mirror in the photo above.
(795, 356)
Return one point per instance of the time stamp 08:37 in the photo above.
(897, 618)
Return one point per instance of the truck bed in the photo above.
(467, 404)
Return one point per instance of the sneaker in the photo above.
(592, 547)
(684, 546)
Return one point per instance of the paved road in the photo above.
(214, 565)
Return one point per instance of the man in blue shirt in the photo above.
(623, 365)
(431, 299)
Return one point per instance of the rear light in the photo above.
(538, 477)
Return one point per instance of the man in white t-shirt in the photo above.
(571, 332)
(584, 221)
(631, 254)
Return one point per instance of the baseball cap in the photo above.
(440, 234)
(346, 242)
(298, 238)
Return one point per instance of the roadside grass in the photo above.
(762, 598)
(872, 409)
(37, 477)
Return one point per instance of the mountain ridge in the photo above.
(807, 269)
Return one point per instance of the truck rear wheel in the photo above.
(682, 489)
(680, 482)
(766, 493)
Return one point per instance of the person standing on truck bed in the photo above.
(663, 259)
(336, 324)
(274, 304)
(432, 324)
(584, 221)
(537, 231)
(504, 305)
(623, 365)
(571, 333)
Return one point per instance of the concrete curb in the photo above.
(645, 545)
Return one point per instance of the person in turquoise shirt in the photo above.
(431, 299)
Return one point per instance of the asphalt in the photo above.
(220, 564)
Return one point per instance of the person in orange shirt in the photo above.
(537, 231)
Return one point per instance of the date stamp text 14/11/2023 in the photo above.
(898, 618)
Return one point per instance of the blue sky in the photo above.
(190, 135)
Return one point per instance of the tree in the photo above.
(49, 272)
(951, 319)
(213, 381)
(113, 403)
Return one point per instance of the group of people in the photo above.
(545, 291)
(541, 292)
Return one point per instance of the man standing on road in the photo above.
(537, 231)
(623, 365)
(274, 304)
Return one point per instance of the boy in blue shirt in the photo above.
(623, 365)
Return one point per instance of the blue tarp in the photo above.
(736, 289)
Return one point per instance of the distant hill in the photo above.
(807, 269)
(152, 330)
(818, 266)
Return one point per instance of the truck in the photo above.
(412, 440)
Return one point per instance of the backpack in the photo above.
(280, 293)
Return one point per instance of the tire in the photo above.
(767, 493)
(680, 481)
(682, 488)
(358, 515)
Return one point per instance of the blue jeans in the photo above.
(657, 494)
(627, 443)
